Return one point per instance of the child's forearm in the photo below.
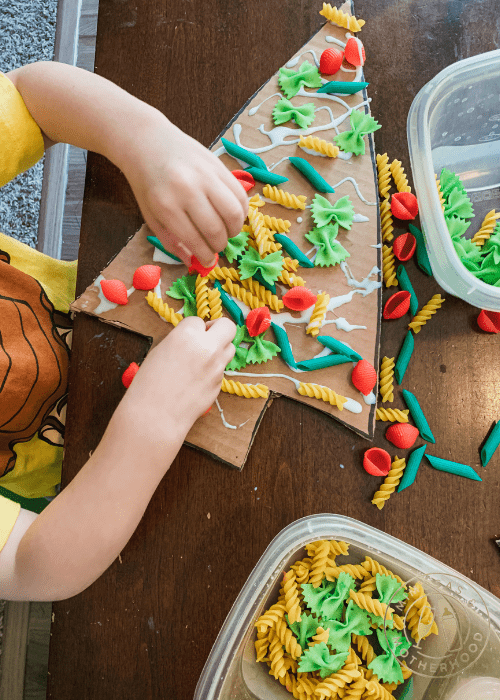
(72, 105)
(78, 536)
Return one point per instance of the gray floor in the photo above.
(29, 681)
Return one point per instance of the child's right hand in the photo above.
(181, 378)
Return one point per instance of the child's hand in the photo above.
(181, 378)
(188, 198)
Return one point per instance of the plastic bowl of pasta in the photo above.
(454, 123)
(370, 601)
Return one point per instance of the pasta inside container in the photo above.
(467, 648)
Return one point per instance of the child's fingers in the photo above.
(224, 328)
(170, 242)
(207, 220)
(183, 228)
(236, 188)
(229, 210)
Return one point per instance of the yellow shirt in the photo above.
(35, 293)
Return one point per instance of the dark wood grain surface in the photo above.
(145, 629)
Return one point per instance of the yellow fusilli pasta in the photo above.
(384, 175)
(275, 655)
(342, 19)
(224, 273)
(356, 689)
(377, 692)
(318, 314)
(262, 645)
(287, 639)
(248, 391)
(163, 309)
(319, 563)
(324, 148)
(214, 303)
(388, 266)
(331, 685)
(425, 313)
(270, 618)
(242, 294)
(290, 264)
(291, 279)
(386, 379)
(201, 291)
(323, 393)
(386, 220)
(375, 567)
(291, 201)
(320, 636)
(399, 176)
(274, 224)
(418, 614)
(263, 294)
(291, 593)
(255, 201)
(440, 194)
(372, 605)
(395, 415)
(355, 570)
(391, 481)
(487, 227)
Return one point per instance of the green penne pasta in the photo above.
(412, 466)
(418, 415)
(491, 444)
(422, 257)
(284, 345)
(404, 357)
(404, 283)
(241, 153)
(311, 174)
(339, 347)
(266, 176)
(292, 250)
(231, 307)
(444, 465)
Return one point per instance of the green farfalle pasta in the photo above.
(352, 141)
(269, 267)
(284, 111)
(290, 81)
(356, 621)
(261, 350)
(330, 251)
(386, 665)
(341, 212)
(318, 658)
(235, 246)
(456, 226)
(458, 204)
(183, 288)
(304, 629)
(448, 181)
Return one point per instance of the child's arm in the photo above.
(73, 541)
(185, 193)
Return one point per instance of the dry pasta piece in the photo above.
(372, 605)
(318, 314)
(336, 547)
(287, 639)
(425, 313)
(274, 224)
(386, 379)
(290, 264)
(262, 644)
(320, 636)
(440, 194)
(355, 570)
(255, 201)
(487, 227)
(384, 175)
(388, 266)
(269, 246)
(271, 617)
(248, 391)
(319, 563)
(419, 615)
(324, 148)
(263, 294)
(376, 691)
(215, 304)
(386, 220)
(291, 201)
(375, 567)
(163, 309)
(356, 689)
(330, 686)
(323, 393)
(342, 19)
(306, 686)
(291, 280)
(276, 654)
(242, 294)
(291, 592)
(395, 415)
(399, 176)
(390, 482)
(224, 273)
(201, 291)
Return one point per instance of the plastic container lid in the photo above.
(454, 122)
(467, 649)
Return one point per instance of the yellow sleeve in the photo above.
(8, 516)
(21, 142)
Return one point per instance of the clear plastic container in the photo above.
(454, 122)
(463, 661)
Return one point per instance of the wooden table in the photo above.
(145, 629)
